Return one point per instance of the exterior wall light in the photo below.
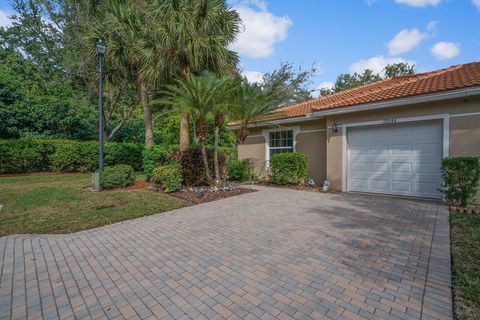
(334, 127)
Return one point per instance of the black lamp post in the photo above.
(100, 48)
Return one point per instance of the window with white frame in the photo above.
(280, 142)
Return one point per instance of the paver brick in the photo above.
(272, 254)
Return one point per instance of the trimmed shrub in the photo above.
(168, 177)
(34, 155)
(240, 170)
(25, 155)
(288, 168)
(461, 176)
(191, 163)
(124, 153)
(158, 155)
(118, 176)
(72, 156)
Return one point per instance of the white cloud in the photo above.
(419, 3)
(476, 3)
(405, 40)
(5, 21)
(253, 76)
(376, 64)
(323, 85)
(445, 50)
(261, 29)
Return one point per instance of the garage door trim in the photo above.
(446, 133)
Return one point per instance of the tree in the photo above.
(200, 97)
(124, 26)
(193, 36)
(288, 85)
(347, 81)
(249, 101)
(398, 69)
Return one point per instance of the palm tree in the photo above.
(193, 36)
(198, 96)
(249, 103)
(123, 26)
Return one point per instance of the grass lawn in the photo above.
(62, 204)
(466, 265)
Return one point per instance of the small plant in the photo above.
(288, 168)
(461, 176)
(168, 177)
(118, 176)
(240, 170)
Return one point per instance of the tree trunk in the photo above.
(215, 154)
(203, 149)
(241, 135)
(147, 113)
(184, 132)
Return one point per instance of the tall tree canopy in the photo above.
(347, 81)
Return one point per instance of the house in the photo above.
(388, 137)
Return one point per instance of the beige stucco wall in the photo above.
(309, 140)
(464, 131)
(324, 148)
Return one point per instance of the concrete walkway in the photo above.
(272, 254)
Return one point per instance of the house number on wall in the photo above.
(390, 121)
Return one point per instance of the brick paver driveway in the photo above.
(275, 253)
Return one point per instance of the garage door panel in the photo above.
(379, 185)
(399, 159)
(402, 186)
(379, 167)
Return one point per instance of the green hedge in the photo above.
(288, 168)
(240, 170)
(118, 176)
(156, 156)
(168, 177)
(461, 176)
(31, 155)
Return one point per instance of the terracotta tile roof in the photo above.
(455, 77)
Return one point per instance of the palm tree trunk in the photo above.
(203, 149)
(147, 113)
(215, 154)
(184, 132)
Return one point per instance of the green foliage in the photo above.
(192, 166)
(33, 155)
(71, 156)
(347, 81)
(288, 85)
(240, 170)
(168, 177)
(118, 176)
(461, 176)
(288, 168)
(127, 153)
(465, 241)
(25, 155)
(158, 155)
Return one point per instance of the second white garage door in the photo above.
(401, 159)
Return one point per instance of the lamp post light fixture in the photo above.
(100, 49)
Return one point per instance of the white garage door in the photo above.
(401, 159)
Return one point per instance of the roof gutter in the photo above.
(459, 93)
(307, 117)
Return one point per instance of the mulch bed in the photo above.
(139, 184)
(300, 187)
(464, 210)
(197, 198)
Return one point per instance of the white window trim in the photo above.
(266, 135)
(345, 126)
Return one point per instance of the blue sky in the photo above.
(341, 36)
(348, 35)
